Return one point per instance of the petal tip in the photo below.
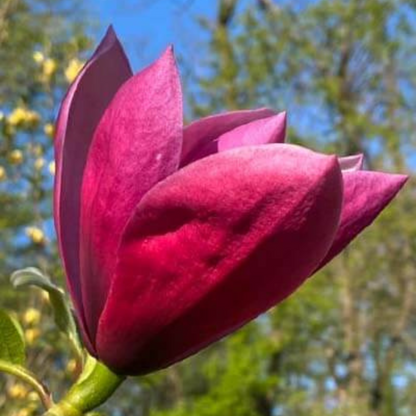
(168, 54)
(110, 42)
(352, 163)
(394, 181)
(282, 117)
(166, 62)
(401, 180)
(278, 122)
(110, 37)
(111, 31)
(360, 160)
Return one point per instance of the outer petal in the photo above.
(79, 115)
(136, 144)
(212, 247)
(198, 137)
(264, 131)
(366, 194)
(351, 163)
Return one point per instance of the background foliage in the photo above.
(345, 344)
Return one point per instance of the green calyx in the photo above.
(95, 385)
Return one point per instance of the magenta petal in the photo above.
(351, 163)
(366, 194)
(79, 115)
(264, 131)
(212, 247)
(137, 143)
(199, 136)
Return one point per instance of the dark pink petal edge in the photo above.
(198, 136)
(79, 115)
(264, 131)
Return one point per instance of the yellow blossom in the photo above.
(73, 68)
(33, 397)
(39, 163)
(24, 412)
(52, 168)
(22, 116)
(49, 67)
(38, 57)
(71, 366)
(17, 116)
(44, 296)
(16, 157)
(49, 129)
(17, 391)
(31, 316)
(3, 174)
(35, 234)
(31, 335)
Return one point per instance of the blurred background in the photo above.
(345, 344)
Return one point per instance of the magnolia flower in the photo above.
(172, 237)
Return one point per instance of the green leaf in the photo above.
(64, 318)
(12, 341)
(32, 277)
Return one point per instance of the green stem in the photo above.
(29, 378)
(93, 388)
(80, 356)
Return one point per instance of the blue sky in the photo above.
(147, 27)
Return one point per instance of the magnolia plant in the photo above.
(172, 237)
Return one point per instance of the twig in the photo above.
(29, 378)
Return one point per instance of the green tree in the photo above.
(41, 42)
